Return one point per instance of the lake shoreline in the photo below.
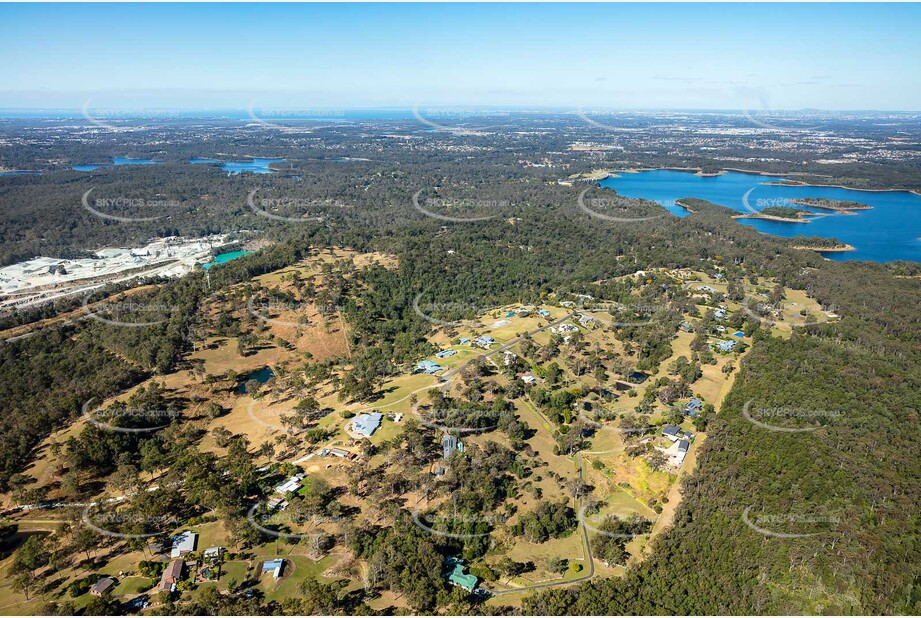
(846, 247)
(886, 229)
(770, 218)
(698, 171)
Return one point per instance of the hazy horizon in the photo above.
(622, 56)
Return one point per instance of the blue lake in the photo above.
(122, 161)
(889, 231)
(88, 168)
(224, 257)
(254, 166)
(21, 173)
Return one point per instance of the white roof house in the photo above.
(183, 543)
(292, 484)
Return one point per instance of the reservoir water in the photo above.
(255, 165)
(123, 161)
(224, 257)
(888, 231)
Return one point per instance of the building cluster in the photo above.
(43, 279)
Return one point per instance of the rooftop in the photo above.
(457, 577)
(183, 543)
(367, 424)
(102, 585)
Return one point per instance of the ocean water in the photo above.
(888, 231)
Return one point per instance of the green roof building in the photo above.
(457, 577)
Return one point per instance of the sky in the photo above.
(324, 56)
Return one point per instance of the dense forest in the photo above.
(363, 170)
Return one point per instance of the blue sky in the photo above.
(228, 56)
